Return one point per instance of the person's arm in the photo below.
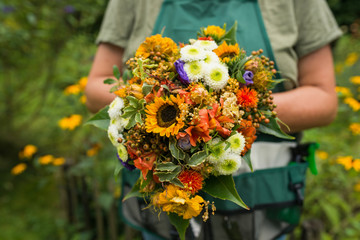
(314, 102)
(97, 93)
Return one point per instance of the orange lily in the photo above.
(217, 118)
(145, 163)
(201, 130)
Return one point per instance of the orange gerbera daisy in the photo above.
(155, 44)
(192, 180)
(247, 97)
(227, 52)
(164, 116)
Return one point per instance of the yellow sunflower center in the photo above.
(167, 114)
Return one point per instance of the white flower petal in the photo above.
(194, 70)
(216, 75)
(191, 53)
(115, 107)
(237, 143)
(228, 164)
(207, 45)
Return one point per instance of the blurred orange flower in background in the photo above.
(70, 123)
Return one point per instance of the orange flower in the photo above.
(45, 160)
(217, 118)
(214, 31)
(200, 130)
(145, 163)
(227, 52)
(155, 44)
(18, 169)
(71, 122)
(28, 151)
(192, 180)
(248, 131)
(58, 161)
(247, 97)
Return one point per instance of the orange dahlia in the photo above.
(192, 180)
(155, 44)
(247, 97)
(164, 116)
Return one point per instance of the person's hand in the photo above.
(314, 102)
(97, 93)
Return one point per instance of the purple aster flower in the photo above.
(7, 9)
(184, 143)
(126, 164)
(248, 77)
(179, 66)
(69, 9)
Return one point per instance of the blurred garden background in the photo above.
(58, 180)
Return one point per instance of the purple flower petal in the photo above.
(248, 77)
(126, 164)
(184, 143)
(183, 77)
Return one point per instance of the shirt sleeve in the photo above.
(317, 26)
(118, 23)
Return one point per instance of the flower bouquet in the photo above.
(186, 117)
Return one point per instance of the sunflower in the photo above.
(164, 116)
(155, 44)
(227, 52)
(214, 31)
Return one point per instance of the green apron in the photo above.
(181, 20)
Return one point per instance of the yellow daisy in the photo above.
(214, 31)
(227, 52)
(164, 116)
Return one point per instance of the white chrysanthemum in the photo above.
(217, 148)
(228, 164)
(194, 70)
(211, 57)
(206, 44)
(115, 107)
(122, 152)
(237, 143)
(120, 123)
(216, 75)
(114, 134)
(192, 53)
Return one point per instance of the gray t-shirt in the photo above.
(295, 28)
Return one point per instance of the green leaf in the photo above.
(146, 88)
(197, 158)
(223, 187)
(179, 223)
(109, 81)
(135, 192)
(175, 151)
(169, 166)
(247, 159)
(177, 182)
(114, 88)
(273, 128)
(138, 118)
(127, 75)
(240, 78)
(165, 87)
(131, 122)
(168, 176)
(100, 119)
(230, 36)
(133, 101)
(116, 72)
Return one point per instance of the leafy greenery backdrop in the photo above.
(47, 46)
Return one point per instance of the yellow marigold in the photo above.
(356, 165)
(227, 52)
(28, 151)
(58, 161)
(45, 160)
(178, 201)
(351, 59)
(155, 44)
(355, 79)
(82, 83)
(214, 31)
(355, 128)
(344, 91)
(18, 169)
(71, 122)
(322, 154)
(345, 161)
(94, 150)
(357, 187)
(72, 89)
(353, 103)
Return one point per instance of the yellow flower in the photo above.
(351, 59)
(82, 83)
(72, 89)
(18, 169)
(322, 154)
(356, 165)
(339, 68)
(353, 103)
(345, 161)
(214, 31)
(227, 52)
(355, 128)
(164, 116)
(94, 150)
(357, 187)
(83, 99)
(344, 91)
(28, 151)
(71, 122)
(155, 44)
(355, 79)
(173, 199)
(58, 161)
(45, 160)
